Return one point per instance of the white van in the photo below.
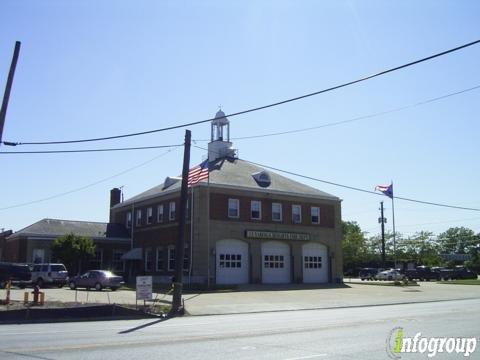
(49, 274)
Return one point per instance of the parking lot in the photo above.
(258, 298)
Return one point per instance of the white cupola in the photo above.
(220, 145)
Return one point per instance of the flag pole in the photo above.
(208, 227)
(394, 235)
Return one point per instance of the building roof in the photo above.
(238, 174)
(58, 227)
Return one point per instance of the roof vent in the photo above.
(262, 178)
(169, 181)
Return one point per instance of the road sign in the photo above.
(144, 288)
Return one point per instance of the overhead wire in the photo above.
(362, 190)
(384, 72)
(90, 150)
(89, 185)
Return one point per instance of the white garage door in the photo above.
(232, 262)
(315, 263)
(275, 263)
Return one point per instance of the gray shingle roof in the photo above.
(57, 227)
(238, 174)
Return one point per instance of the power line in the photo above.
(89, 185)
(381, 113)
(362, 190)
(384, 72)
(89, 150)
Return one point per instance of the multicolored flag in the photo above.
(385, 189)
(198, 173)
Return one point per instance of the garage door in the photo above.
(275, 263)
(232, 262)
(315, 263)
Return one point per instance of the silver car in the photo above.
(49, 274)
(97, 279)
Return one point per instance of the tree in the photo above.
(457, 240)
(73, 250)
(355, 250)
(421, 249)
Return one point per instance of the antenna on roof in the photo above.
(121, 191)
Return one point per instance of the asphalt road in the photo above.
(347, 333)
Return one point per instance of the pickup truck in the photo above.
(18, 274)
(422, 273)
(458, 273)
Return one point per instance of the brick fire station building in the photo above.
(245, 225)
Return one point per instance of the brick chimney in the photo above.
(115, 195)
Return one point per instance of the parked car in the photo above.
(97, 279)
(422, 273)
(461, 273)
(19, 274)
(389, 275)
(367, 274)
(49, 274)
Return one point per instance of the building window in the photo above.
(233, 208)
(276, 212)
(117, 263)
(312, 262)
(148, 259)
(296, 214)
(38, 256)
(129, 219)
(97, 261)
(256, 210)
(149, 215)
(274, 262)
(172, 213)
(315, 215)
(171, 258)
(139, 217)
(160, 213)
(160, 259)
(230, 261)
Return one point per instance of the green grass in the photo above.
(461, 282)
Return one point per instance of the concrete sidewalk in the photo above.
(264, 298)
(280, 298)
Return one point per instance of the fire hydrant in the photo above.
(36, 294)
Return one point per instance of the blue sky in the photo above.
(100, 68)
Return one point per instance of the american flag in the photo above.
(198, 173)
(386, 190)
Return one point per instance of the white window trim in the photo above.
(170, 248)
(160, 212)
(237, 207)
(120, 261)
(149, 215)
(300, 213)
(128, 223)
(156, 258)
(281, 212)
(172, 206)
(311, 215)
(138, 218)
(259, 209)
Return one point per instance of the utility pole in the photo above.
(180, 248)
(382, 221)
(8, 88)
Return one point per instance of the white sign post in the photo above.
(144, 288)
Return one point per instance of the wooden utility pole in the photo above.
(180, 248)
(8, 88)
